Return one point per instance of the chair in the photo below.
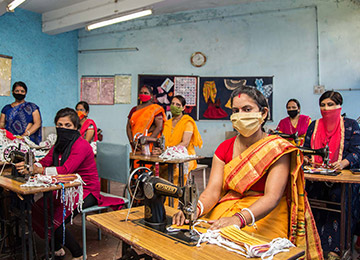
(202, 167)
(113, 164)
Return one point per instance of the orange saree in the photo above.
(142, 119)
(292, 218)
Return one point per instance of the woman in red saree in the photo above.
(146, 118)
(88, 129)
(257, 180)
(294, 123)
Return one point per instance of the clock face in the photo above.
(198, 59)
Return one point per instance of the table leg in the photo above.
(181, 174)
(52, 223)
(46, 225)
(22, 224)
(349, 212)
(171, 167)
(343, 218)
(30, 233)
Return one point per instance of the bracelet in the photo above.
(252, 216)
(200, 206)
(242, 219)
(28, 132)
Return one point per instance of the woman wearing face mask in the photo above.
(294, 123)
(21, 117)
(256, 179)
(146, 118)
(180, 130)
(70, 154)
(342, 135)
(88, 129)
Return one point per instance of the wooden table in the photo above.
(25, 208)
(345, 178)
(158, 246)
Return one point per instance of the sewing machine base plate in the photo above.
(327, 173)
(179, 236)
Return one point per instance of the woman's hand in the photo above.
(338, 166)
(156, 151)
(224, 222)
(307, 160)
(179, 219)
(20, 167)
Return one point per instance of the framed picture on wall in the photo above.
(165, 87)
(214, 94)
(97, 90)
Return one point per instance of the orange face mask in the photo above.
(81, 114)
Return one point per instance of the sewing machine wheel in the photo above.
(7, 151)
(132, 182)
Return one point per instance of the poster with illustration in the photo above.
(214, 94)
(165, 87)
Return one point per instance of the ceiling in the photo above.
(65, 15)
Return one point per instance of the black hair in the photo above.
(84, 104)
(19, 84)
(149, 88)
(71, 113)
(293, 100)
(181, 99)
(333, 95)
(255, 94)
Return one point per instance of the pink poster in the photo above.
(97, 90)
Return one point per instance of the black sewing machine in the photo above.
(294, 136)
(13, 155)
(143, 141)
(323, 152)
(143, 185)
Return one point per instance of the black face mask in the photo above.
(18, 96)
(293, 113)
(64, 138)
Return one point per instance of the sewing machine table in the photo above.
(158, 246)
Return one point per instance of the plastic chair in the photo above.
(113, 164)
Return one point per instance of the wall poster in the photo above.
(122, 89)
(5, 75)
(214, 94)
(97, 90)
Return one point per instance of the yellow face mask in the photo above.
(247, 123)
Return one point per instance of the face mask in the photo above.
(247, 123)
(64, 137)
(331, 118)
(175, 111)
(18, 96)
(293, 113)
(144, 98)
(81, 114)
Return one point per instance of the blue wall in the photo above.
(279, 37)
(46, 63)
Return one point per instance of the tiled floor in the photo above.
(108, 247)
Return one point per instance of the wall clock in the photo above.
(198, 59)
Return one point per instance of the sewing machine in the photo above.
(143, 185)
(143, 142)
(294, 136)
(323, 152)
(15, 154)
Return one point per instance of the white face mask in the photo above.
(247, 123)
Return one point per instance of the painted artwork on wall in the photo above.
(214, 94)
(122, 89)
(97, 90)
(167, 86)
(5, 75)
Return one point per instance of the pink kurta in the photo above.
(81, 160)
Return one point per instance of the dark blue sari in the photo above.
(17, 119)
